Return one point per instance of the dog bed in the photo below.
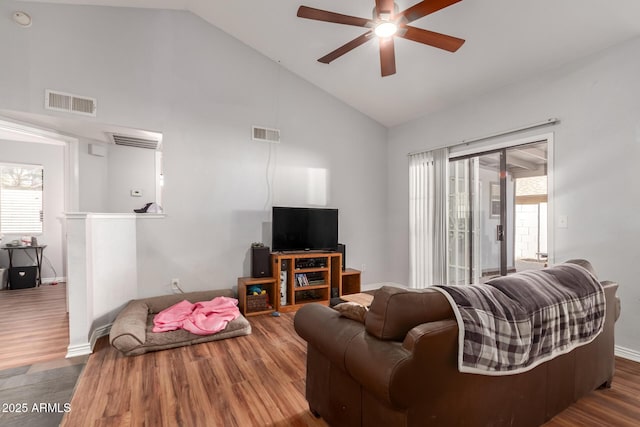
(131, 332)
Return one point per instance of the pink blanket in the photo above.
(201, 318)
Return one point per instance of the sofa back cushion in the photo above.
(395, 311)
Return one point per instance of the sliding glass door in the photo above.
(497, 213)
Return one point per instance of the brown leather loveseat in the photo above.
(399, 368)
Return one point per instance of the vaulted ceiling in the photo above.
(506, 41)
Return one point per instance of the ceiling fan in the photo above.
(386, 24)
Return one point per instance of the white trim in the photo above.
(159, 177)
(78, 350)
(74, 215)
(551, 243)
(627, 353)
(150, 216)
(98, 215)
(38, 134)
(479, 148)
(112, 216)
(49, 280)
(98, 333)
(72, 176)
(83, 215)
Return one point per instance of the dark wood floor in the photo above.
(618, 406)
(34, 325)
(258, 380)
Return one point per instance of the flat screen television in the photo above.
(304, 229)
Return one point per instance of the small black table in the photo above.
(39, 249)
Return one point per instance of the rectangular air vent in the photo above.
(60, 101)
(135, 141)
(265, 134)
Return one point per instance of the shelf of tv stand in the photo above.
(309, 288)
(268, 284)
(310, 270)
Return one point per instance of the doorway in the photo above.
(498, 209)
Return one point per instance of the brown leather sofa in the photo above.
(399, 368)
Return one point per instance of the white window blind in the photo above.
(21, 199)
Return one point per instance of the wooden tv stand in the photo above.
(306, 277)
(300, 278)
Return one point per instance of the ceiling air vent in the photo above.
(135, 141)
(265, 134)
(69, 103)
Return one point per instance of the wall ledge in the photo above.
(109, 215)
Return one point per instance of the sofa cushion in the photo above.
(395, 311)
(352, 310)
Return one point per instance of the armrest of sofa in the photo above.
(129, 329)
(395, 311)
(324, 329)
(401, 373)
(610, 291)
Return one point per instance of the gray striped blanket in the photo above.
(512, 324)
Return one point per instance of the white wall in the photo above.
(173, 73)
(106, 181)
(597, 146)
(51, 157)
(102, 274)
(130, 168)
(113, 269)
(93, 189)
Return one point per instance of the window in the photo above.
(21, 199)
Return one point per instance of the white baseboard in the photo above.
(48, 280)
(87, 348)
(100, 332)
(627, 353)
(78, 350)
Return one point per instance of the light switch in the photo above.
(136, 193)
(563, 221)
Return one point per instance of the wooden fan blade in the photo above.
(346, 47)
(337, 18)
(425, 8)
(441, 41)
(387, 57)
(384, 6)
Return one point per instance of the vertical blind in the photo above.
(428, 192)
(21, 199)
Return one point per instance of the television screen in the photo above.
(304, 229)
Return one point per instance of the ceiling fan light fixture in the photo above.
(386, 29)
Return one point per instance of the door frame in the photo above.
(485, 147)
